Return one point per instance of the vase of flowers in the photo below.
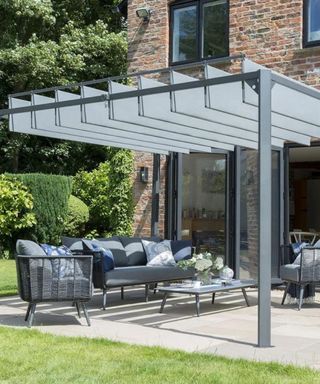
(205, 265)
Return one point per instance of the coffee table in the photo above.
(218, 286)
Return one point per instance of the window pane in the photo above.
(314, 20)
(214, 29)
(184, 34)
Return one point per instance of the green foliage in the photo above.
(77, 217)
(50, 195)
(51, 42)
(107, 191)
(121, 194)
(16, 205)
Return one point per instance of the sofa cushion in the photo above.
(95, 246)
(29, 248)
(73, 243)
(158, 253)
(117, 249)
(290, 272)
(142, 274)
(134, 250)
(181, 249)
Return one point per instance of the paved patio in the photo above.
(227, 328)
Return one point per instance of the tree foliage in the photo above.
(51, 42)
(16, 205)
(107, 191)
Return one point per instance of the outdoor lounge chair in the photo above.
(54, 279)
(303, 271)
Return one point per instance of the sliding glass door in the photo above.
(204, 201)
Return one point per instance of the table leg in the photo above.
(198, 304)
(245, 296)
(213, 297)
(164, 299)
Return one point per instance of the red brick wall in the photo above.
(143, 195)
(270, 33)
(148, 42)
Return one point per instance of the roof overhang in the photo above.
(219, 110)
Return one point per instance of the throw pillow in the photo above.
(107, 255)
(181, 249)
(29, 248)
(297, 248)
(61, 267)
(108, 260)
(158, 253)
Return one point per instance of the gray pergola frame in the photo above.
(264, 80)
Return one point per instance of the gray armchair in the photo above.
(44, 278)
(303, 271)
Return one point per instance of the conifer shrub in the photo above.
(77, 217)
(50, 200)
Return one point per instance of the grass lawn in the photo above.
(28, 356)
(8, 277)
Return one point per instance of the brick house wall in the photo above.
(269, 32)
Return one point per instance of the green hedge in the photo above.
(50, 199)
(77, 217)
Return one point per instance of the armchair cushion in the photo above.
(29, 248)
(290, 272)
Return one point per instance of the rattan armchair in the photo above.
(54, 278)
(302, 272)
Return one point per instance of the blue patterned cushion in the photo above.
(297, 248)
(108, 260)
(61, 268)
(95, 246)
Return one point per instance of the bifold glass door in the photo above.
(203, 206)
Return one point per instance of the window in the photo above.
(311, 23)
(199, 30)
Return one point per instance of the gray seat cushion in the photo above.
(73, 243)
(290, 272)
(117, 249)
(134, 250)
(144, 274)
(29, 248)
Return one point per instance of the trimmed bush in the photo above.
(50, 197)
(77, 217)
(16, 205)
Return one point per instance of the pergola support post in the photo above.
(265, 210)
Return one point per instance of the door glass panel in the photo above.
(184, 38)
(204, 201)
(214, 29)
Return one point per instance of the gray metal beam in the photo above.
(136, 93)
(265, 210)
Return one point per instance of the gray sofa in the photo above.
(130, 264)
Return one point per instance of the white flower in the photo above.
(219, 262)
